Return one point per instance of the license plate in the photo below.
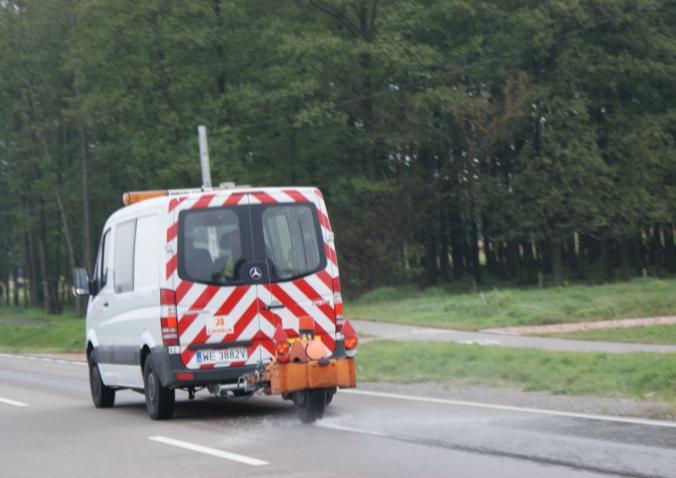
(233, 354)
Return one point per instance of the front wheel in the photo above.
(102, 395)
(159, 400)
(310, 404)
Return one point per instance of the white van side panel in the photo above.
(121, 375)
(146, 295)
(131, 318)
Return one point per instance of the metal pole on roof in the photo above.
(204, 156)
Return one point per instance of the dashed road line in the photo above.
(247, 460)
(44, 359)
(510, 408)
(15, 403)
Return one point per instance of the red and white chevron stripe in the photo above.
(308, 296)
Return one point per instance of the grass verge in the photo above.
(439, 307)
(636, 375)
(40, 333)
(649, 334)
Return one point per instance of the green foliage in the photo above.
(505, 307)
(643, 376)
(540, 131)
(25, 330)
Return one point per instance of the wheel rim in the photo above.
(151, 387)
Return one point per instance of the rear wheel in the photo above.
(159, 400)
(310, 404)
(102, 396)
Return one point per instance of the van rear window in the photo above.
(214, 243)
(291, 242)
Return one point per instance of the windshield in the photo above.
(215, 243)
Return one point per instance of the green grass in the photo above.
(636, 375)
(58, 333)
(507, 307)
(649, 334)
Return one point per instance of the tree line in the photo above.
(530, 140)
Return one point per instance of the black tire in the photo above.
(310, 404)
(330, 392)
(102, 395)
(159, 400)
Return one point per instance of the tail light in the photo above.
(350, 339)
(168, 317)
(281, 344)
(338, 308)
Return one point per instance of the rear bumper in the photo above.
(169, 368)
(328, 373)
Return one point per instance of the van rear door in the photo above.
(217, 306)
(289, 235)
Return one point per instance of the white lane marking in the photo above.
(541, 411)
(43, 359)
(210, 451)
(13, 402)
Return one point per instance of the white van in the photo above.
(233, 290)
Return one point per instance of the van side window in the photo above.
(146, 253)
(123, 256)
(101, 269)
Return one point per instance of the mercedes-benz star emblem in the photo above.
(255, 273)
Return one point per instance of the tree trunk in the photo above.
(476, 264)
(444, 264)
(457, 254)
(78, 305)
(514, 258)
(529, 260)
(86, 217)
(656, 249)
(9, 281)
(557, 262)
(605, 268)
(42, 259)
(37, 299)
(625, 258)
(670, 247)
(431, 270)
(489, 251)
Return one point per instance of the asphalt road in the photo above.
(48, 427)
(389, 331)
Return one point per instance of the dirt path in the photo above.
(389, 331)
(574, 327)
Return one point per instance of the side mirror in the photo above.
(81, 285)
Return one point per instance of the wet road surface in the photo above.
(48, 427)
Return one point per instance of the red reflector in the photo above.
(282, 348)
(281, 344)
(350, 339)
(167, 297)
(169, 322)
(185, 376)
(336, 284)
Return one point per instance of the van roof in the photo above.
(160, 202)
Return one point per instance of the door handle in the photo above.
(273, 306)
(105, 304)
